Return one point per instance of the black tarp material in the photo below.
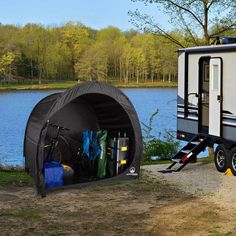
(88, 106)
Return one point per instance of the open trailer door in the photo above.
(215, 97)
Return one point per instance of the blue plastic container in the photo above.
(53, 174)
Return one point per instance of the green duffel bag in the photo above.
(102, 158)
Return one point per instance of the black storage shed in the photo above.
(88, 106)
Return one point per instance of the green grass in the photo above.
(12, 178)
(69, 84)
(204, 160)
(54, 85)
(147, 85)
(26, 214)
(156, 162)
(216, 231)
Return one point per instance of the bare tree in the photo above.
(195, 18)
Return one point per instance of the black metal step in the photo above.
(187, 153)
(195, 142)
(176, 160)
(166, 171)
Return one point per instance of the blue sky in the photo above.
(94, 13)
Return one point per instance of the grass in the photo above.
(54, 85)
(204, 160)
(69, 84)
(216, 231)
(12, 178)
(26, 214)
(147, 85)
(20, 178)
(155, 162)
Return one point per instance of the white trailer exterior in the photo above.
(207, 99)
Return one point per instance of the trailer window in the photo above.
(215, 77)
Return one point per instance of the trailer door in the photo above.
(215, 97)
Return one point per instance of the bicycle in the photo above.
(60, 146)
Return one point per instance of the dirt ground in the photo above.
(156, 204)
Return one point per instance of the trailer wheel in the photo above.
(233, 160)
(221, 158)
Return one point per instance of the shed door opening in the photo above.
(215, 97)
(100, 115)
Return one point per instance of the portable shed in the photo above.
(90, 106)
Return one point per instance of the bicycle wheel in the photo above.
(63, 150)
(56, 154)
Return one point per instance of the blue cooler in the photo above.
(53, 174)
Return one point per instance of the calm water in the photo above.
(15, 108)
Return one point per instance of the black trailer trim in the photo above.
(227, 112)
(189, 106)
(209, 49)
(185, 118)
(228, 118)
(194, 113)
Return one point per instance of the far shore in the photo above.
(69, 84)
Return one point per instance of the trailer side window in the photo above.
(215, 77)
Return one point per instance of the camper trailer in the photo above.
(206, 104)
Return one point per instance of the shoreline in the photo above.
(69, 84)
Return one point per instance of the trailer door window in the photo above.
(215, 77)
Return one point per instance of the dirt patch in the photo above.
(193, 217)
(148, 206)
(215, 198)
(201, 180)
(5, 197)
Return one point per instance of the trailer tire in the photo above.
(221, 158)
(233, 160)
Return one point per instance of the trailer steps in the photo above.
(187, 154)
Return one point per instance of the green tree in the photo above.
(151, 63)
(6, 62)
(75, 51)
(139, 63)
(110, 37)
(193, 17)
(126, 59)
(34, 42)
(93, 64)
(76, 37)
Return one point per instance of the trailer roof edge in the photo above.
(212, 49)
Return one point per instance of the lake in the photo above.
(16, 106)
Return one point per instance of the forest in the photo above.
(74, 51)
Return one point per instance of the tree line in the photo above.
(76, 52)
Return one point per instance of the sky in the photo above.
(96, 14)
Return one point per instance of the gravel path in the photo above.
(202, 180)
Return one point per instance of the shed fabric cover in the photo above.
(89, 106)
